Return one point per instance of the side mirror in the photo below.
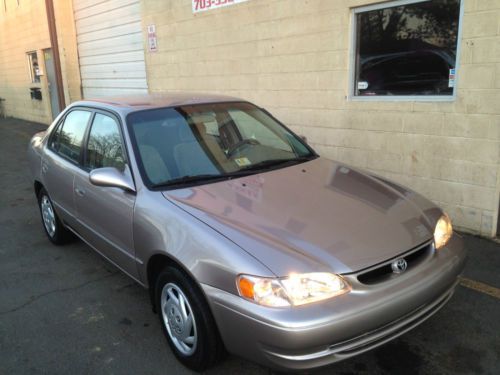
(112, 177)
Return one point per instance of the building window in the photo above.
(33, 67)
(406, 48)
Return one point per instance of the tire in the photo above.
(54, 229)
(198, 347)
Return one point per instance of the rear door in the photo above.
(105, 214)
(62, 159)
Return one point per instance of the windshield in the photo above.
(206, 142)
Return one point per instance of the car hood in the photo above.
(315, 216)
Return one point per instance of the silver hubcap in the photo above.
(49, 219)
(179, 319)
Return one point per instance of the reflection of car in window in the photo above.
(419, 72)
(406, 48)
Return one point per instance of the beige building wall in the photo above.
(20, 32)
(292, 57)
(24, 28)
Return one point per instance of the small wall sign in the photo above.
(204, 5)
(362, 85)
(152, 41)
(451, 79)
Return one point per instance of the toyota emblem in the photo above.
(399, 265)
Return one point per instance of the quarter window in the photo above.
(68, 138)
(104, 146)
(406, 48)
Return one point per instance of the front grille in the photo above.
(383, 272)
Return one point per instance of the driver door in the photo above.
(105, 214)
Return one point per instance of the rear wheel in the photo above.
(53, 227)
(186, 320)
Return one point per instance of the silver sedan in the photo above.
(248, 241)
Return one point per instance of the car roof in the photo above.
(157, 100)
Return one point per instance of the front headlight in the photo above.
(443, 231)
(294, 290)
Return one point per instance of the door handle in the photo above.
(80, 192)
(45, 167)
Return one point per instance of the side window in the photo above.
(104, 147)
(68, 138)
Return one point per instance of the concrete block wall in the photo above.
(23, 28)
(292, 56)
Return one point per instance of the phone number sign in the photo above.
(203, 5)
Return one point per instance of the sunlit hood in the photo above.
(315, 216)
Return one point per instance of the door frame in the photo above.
(54, 45)
(51, 77)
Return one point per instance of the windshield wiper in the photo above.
(276, 162)
(227, 176)
(201, 178)
(190, 178)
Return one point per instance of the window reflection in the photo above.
(209, 139)
(69, 139)
(407, 50)
(104, 147)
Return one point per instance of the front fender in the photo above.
(160, 227)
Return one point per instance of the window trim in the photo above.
(32, 75)
(398, 98)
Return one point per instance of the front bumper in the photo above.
(319, 334)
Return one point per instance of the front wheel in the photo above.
(186, 320)
(53, 227)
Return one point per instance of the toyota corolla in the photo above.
(248, 241)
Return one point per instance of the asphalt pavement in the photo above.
(65, 310)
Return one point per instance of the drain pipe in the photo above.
(51, 19)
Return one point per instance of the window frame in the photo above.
(34, 78)
(86, 138)
(397, 98)
(83, 152)
(59, 125)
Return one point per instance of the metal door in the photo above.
(105, 219)
(105, 214)
(110, 47)
(52, 82)
(58, 169)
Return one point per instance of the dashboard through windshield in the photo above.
(209, 142)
